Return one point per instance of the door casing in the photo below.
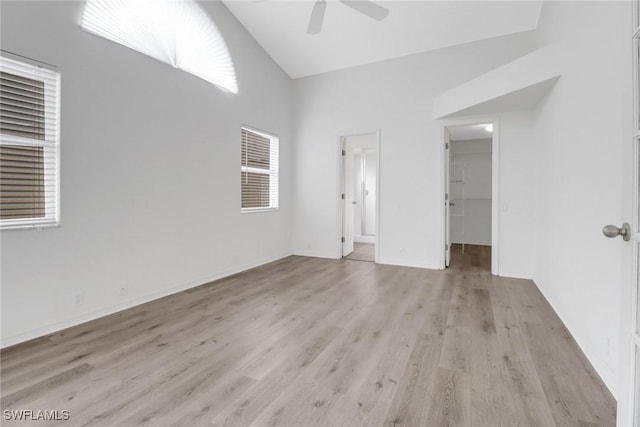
(340, 205)
(495, 186)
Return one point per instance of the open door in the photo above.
(358, 159)
(629, 396)
(348, 199)
(447, 206)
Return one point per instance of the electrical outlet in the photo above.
(123, 290)
(610, 347)
(401, 251)
(78, 298)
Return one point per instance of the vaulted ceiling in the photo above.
(349, 38)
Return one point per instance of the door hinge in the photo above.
(344, 153)
(446, 247)
(342, 196)
(446, 145)
(342, 239)
(446, 196)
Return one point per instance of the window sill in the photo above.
(25, 227)
(255, 210)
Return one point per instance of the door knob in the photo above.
(613, 231)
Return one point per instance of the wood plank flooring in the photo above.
(308, 341)
(362, 252)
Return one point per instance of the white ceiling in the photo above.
(349, 38)
(467, 132)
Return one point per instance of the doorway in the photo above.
(470, 195)
(359, 195)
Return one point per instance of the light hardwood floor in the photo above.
(362, 252)
(307, 341)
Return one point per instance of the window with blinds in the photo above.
(258, 171)
(179, 33)
(28, 145)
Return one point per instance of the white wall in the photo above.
(396, 97)
(370, 159)
(358, 210)
(150, 189)
(470, 189)
(364, 206)
(517, 207)
(579, 133)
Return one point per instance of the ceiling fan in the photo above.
(365, 7)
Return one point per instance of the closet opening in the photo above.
(470, 199)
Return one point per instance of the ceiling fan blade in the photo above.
(370, 9)
(317, 17)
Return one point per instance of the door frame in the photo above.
(495, 185)
(341, 182)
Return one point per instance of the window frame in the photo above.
(273, 172)
(178, 33)
(50, 77)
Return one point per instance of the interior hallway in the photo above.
(362, 252)
(311, 341)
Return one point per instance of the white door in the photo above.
(635, 184)
(447, 208)
(629, 401)
(349, 201)
(369, 157)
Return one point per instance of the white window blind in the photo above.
(29, 152)
(177, 32)
(259, 171)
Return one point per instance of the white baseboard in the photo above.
(515, 275)
(598, 363)
(314, 254)
(407, 263)
(365, 239)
